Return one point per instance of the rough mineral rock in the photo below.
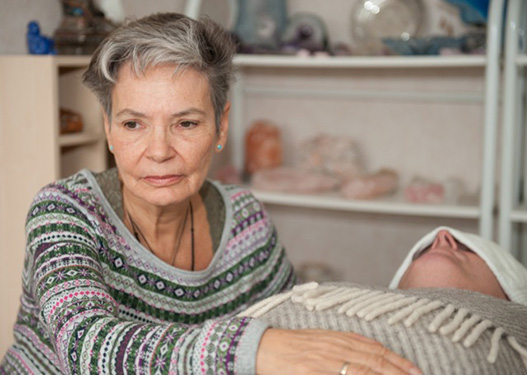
(335, 155)
(263, 147)
(371, 186)
(421, 190)
(290, 180)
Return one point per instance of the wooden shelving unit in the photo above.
(33, 153)
(488, 66)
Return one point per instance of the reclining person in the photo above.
(457, 305)
(449, 258)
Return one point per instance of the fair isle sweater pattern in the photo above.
(95, 301)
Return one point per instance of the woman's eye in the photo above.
(131, 125)
(188, 124)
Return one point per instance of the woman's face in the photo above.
(163, 133)
(450, 264)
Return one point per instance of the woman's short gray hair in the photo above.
(164, 38)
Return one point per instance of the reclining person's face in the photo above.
(450, 264)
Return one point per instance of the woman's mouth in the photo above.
(165, 180)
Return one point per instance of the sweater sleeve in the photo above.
(82, 318)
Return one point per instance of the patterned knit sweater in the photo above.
(96, 302)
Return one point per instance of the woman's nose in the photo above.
(159, 147)
(444, 239)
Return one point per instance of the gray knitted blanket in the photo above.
(442, 331)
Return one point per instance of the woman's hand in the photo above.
(287, 351)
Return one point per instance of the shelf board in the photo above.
(364, 62)
(391, 205)
(78, 139)
(360, 62)
(279, 61)
(71, 61)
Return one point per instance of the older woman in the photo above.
(143, 268)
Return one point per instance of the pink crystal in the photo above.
(371, 186)
(263, 147)
(336, 155)
(424, 191)
(290, 180)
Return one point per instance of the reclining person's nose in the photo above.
(444, 239)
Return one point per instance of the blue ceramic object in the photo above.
(473, 12)
(433, 45)
(422, 46)
(259, 24)
(38, 44)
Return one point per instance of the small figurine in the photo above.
(305, 31)
(38, 44)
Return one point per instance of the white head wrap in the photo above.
(511, 274)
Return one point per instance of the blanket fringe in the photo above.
(404, 313)
(373, 308)
(361, 296)
(455, 323)
(396, 304)
(371, 304)
(420, 311)
(520, 349)
(441, 317)
(465, 327)
(494, 345)
(477, 332)
(260, 308)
